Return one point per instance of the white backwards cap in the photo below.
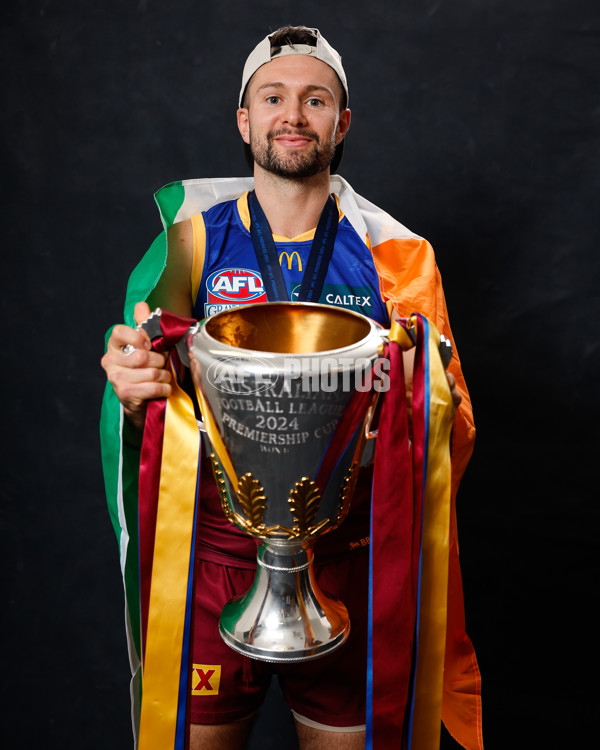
(264, 53)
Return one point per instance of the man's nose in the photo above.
(293, 113)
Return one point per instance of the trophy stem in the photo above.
(284, 617)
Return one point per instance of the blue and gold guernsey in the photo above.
(226, 274)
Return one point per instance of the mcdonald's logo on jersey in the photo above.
(290, 259)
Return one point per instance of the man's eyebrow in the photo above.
(281, 85)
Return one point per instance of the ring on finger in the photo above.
(128, 349)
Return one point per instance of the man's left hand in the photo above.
(456, 397)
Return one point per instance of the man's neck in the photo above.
(291, 206)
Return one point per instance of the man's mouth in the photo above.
(293, 140)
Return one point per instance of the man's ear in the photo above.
(343, 125)
(243, 124)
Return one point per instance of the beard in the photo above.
(294, 165)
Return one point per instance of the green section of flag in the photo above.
(145, 276)
(120, 464)
(120, 461)
(169, 199)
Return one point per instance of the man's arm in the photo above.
(137, 374)
(173, 291)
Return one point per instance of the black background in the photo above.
(475, 123)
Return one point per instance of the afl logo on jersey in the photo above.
(235, 285)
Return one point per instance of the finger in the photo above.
(456, 397)
(124, 376)
(133, 387)
(122, 336)
(141, 312)
(136, 359)
(139, 358)
(135, 395)
(119, 365)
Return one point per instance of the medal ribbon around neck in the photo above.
(318, 260)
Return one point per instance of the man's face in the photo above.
(292, 121)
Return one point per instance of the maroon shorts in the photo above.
(227, 686)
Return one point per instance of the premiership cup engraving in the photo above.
(284, 392)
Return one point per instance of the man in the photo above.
(293, 118)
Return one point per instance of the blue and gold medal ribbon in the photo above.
(318, 260)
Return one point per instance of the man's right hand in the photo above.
(137, 376)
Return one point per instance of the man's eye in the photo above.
(315, 102)
(273, 99)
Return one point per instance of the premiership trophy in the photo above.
(286, 391)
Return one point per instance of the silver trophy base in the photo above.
(284, 617)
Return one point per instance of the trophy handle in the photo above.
(372, 420)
